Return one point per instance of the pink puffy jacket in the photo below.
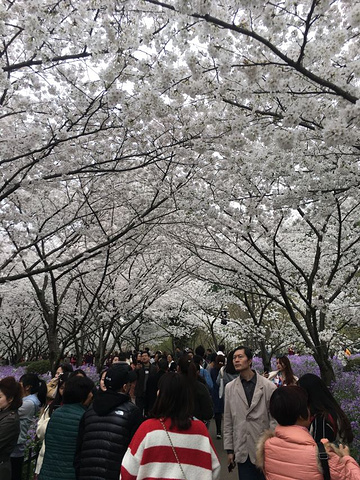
(290, 453)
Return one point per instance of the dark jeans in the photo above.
(16, 467)
(140, 402)
(248, 471)
(218, 417)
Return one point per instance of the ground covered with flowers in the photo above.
(346, 389)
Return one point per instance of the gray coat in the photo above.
(243, 425)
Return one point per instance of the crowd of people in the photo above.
(149, 415)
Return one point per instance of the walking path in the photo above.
(225, 475)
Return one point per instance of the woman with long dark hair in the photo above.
(227, 374)
(203, 405)
(34, 396)
(283, 375)
(328, 420)
(171, 444)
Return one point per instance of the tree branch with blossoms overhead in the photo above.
(296, 65)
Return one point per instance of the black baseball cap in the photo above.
(118, 375)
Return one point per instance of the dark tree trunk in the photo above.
(326, 369)
(54, 351)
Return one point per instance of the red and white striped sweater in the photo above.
(150, 456)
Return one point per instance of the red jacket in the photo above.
(150, 454)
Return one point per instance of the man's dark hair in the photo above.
(198, 359)
(287, 404)
(200, 350)
(77, 389)
(213, 357)
(122, 357)
(248, 352)
(163, 364)
(77, 373)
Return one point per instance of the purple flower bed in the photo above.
(301, 364)
(346, 390)
(91, 373)
(10, 371)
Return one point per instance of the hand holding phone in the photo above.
(231, 466)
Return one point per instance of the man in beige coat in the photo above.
(246, 415)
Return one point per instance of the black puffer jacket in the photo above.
(104, 434)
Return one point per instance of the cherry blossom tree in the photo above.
(192, 311)
(129, 291)
(234, 126)
(21, 334)
(80, 133)
(279, 206)
(265, 326)
(307, 264)
(89, 166)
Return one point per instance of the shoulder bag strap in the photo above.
(323, 457)
(173, 449)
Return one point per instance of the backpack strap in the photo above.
(323, 457)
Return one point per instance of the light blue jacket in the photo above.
(29, 408)
(207, 377)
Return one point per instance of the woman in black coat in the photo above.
(10, 401)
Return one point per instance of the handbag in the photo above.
(173, 449)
